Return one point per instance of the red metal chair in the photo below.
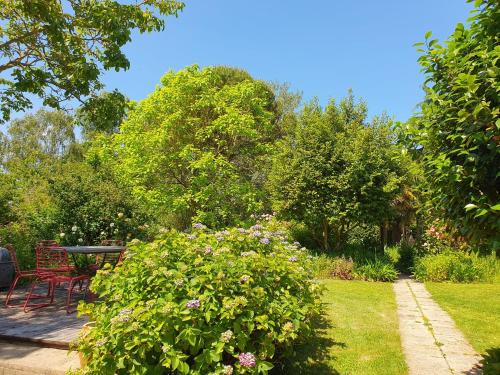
(19, 275)
(52, 265)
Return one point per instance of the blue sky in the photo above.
(320, 47)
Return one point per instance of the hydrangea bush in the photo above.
(204, 302)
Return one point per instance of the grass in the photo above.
(475, 308)
(358, 334)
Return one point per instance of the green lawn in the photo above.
(358, 335)
(475, 309)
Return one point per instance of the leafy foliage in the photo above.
(458, 127)
(91, 207)
(102, 113)
(358, 263)
(335, 172)
(56, 50)
(191, 150)
(49, 191)
(193, 303)
(456, 266)
(377, 270)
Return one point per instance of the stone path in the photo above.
(431, 342)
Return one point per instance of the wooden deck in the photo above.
(49, 326)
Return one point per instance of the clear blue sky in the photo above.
(321, 47)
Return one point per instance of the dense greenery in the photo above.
(56, 50)
(335, 172)
(193, 149)
(216, 147)
(458, 128)
(49, 191)
(201, 303)
(457, 266)
(357, 263)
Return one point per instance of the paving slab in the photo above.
(31, 359)
(431, 342)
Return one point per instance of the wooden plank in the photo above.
(49, 326)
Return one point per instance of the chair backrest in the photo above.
(111, 243)
(47, 243)
(13, 257)
(51, 259)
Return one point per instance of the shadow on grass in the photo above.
(314, 355)
(491, 362)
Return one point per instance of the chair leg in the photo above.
(11, 290)
(70, 293)
(27, 307)
(68, 300)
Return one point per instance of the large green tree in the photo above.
(57, 49)
(194, 148)
(334, 171)
(458, 129)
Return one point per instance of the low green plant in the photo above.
(228, 302)
(342, 268)
(393, 253)
(456, 266)
(376, 270)
(402, 255)
(345, 268)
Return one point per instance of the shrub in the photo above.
(402, 256)
(201, 303)
(456, 266)
(376, 270)
(339, 267)
(393, 253)
(343, 268)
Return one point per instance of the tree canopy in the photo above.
(334, 171)
(192, 149)
(458, 129)
(56, 50)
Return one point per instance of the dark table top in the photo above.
(93, 249)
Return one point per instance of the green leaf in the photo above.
(470, 206)
(481, 212)
(496, 207)
(428, 34)
(265, 366)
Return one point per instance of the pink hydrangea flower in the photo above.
(193, 304)
(247, 360)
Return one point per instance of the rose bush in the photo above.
(204, 302)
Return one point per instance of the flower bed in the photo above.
(229, 302)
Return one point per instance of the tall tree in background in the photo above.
(335, 172)
(458, 128)
(57, 49)
(194, 148)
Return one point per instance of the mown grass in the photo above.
(475, 309)
(357, 335)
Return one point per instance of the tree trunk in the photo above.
(325, 235)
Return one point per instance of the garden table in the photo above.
(73, 250)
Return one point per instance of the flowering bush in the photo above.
(228, 302)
